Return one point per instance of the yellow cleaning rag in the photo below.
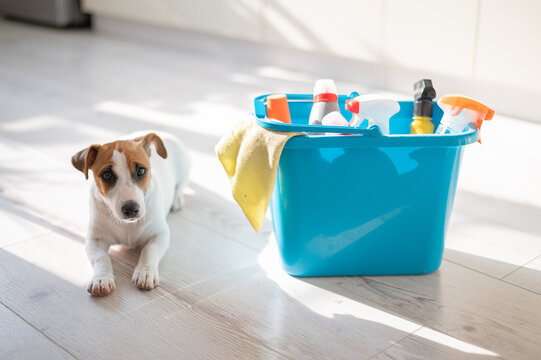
(250, 155)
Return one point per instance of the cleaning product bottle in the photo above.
(376, 108)
(462, 113)
(325, 101)
(278, 109)
(423, 93)
(334, 119)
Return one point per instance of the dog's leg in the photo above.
(178, 200)
(103, 281)
(145, 275)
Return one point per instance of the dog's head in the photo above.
(122, 173)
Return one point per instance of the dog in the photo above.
(136, 183)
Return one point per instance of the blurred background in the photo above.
(487, 49)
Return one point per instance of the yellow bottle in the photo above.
(422, 125)
(423, 94)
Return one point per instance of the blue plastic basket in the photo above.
(366, 204)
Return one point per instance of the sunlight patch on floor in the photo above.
(201, 117)
(321, 301)
(330, 304)
(451, 342)
(69, 264)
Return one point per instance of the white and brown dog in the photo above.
(135, 186)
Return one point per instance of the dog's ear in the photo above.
(84, 159)
(152, 138)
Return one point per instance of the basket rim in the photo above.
(371, 137)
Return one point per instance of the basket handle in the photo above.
(260, 113)
(317, 129)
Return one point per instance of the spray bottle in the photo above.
(462, 113)
(423, 93)
(325, 101)
(376, 108)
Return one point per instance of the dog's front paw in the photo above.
(145, 277)
(101, 285)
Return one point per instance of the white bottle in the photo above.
(376, 108)
(325, 101)
(334, 119)
(458, 123)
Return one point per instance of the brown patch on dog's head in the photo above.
(100, 160)
(106, 170)
(152, 138)
(84, 159)
(121, 172)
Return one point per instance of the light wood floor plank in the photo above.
(16, 228)
(464, 304)
(492, 235)
(528, 276)
(46, 289)
(20, 341)
(427, 344)
(301, 320)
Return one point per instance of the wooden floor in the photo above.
(222, 293)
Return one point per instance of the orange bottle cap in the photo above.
(467, 103)
(463, 102)
(278, 109)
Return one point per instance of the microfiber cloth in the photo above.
(250, 155)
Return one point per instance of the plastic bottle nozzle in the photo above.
(475, 112)
(377, 109)
(423, 89)
(352, 105)
(423, 94)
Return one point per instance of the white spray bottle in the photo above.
(460, 113)
(376, 108)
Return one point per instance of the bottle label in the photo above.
(326, 97)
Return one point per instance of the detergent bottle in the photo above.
(462, 113)
(376, 108)
(423, 94)
(325, 101)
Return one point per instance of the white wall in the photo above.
(488, 49)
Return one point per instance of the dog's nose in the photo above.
(130, 209)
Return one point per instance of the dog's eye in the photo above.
(141, 171)
(107, 175)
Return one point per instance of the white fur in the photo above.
(150, 231)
